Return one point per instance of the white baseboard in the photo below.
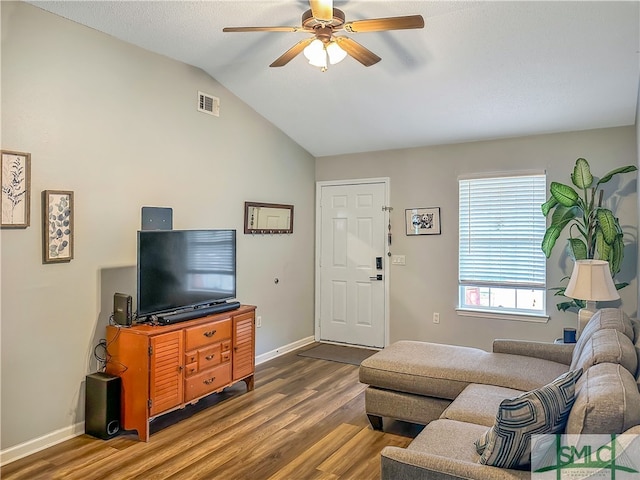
(282, 350)
(30, 447)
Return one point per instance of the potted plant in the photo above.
(594, 231)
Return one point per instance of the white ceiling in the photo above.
(478, 70)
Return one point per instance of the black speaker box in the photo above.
(102, 405)
(122, 306)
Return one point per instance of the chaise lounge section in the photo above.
(459, 393)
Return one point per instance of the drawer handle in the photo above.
(209, 381)
(209, 357)
(210, 333)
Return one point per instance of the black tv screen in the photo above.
(181, 269)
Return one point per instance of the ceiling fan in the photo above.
(324, 47)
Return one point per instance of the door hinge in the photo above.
(150, 350)
(149, 403)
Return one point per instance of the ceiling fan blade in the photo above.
(289, 55)
(322, 9)
(263, 29)
(357, 51)
(381, 24)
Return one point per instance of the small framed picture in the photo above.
(16, 189)
(423, 221)
(57, 226)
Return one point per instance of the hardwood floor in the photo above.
(304, 420)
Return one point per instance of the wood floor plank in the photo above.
(304, 420)
(305, 465)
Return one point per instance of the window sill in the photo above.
(518, 317)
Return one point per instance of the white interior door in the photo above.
(352, 261)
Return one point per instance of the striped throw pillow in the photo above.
(545, 410)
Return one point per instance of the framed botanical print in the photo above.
(16, 189)
(57, 226)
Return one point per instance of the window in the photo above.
(501, 267)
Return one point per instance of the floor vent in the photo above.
(208, 104)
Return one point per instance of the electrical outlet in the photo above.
(436, 317)
(258, 321)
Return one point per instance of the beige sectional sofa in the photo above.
(458, 393)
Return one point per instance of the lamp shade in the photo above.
(591, 281)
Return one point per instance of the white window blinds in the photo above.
(501, 229)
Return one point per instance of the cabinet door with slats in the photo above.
(166, 385)
(243, 358)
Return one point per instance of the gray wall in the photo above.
(427, 177)
(638, 159)
(118, 125)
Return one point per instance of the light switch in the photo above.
(398, 260)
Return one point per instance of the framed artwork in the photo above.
(57, 226)
(423, 221)
(16, 189)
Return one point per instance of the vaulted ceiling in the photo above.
(478, 70)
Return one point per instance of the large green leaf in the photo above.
(577, 249)
(550, 237)
(548, 205)
(608, 224)
(602, 247)
(607, 177)
(581, 176)
(564, 194)
(617, 254)
(564, 306)
(563, 215)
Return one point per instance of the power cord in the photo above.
(101, 350)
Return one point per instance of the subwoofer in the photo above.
(102, 405)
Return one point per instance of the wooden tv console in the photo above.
(164, 368)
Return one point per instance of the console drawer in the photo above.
(207, 381)
(209, 357)
(190, 369)
(206, 334)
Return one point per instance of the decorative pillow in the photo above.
(545, 410)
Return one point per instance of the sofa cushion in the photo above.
(610, 346)
(605, 318)
(636, 330)
(607, 401)
(545, 410)
(479, 404)
(443, 371)
(449, 438)
(443, 450)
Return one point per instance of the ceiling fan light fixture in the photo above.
(316, 54)
(335, 52)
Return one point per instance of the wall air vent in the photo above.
(208, 104)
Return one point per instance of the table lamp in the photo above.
(590, 281)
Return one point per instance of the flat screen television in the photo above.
(178, 270)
